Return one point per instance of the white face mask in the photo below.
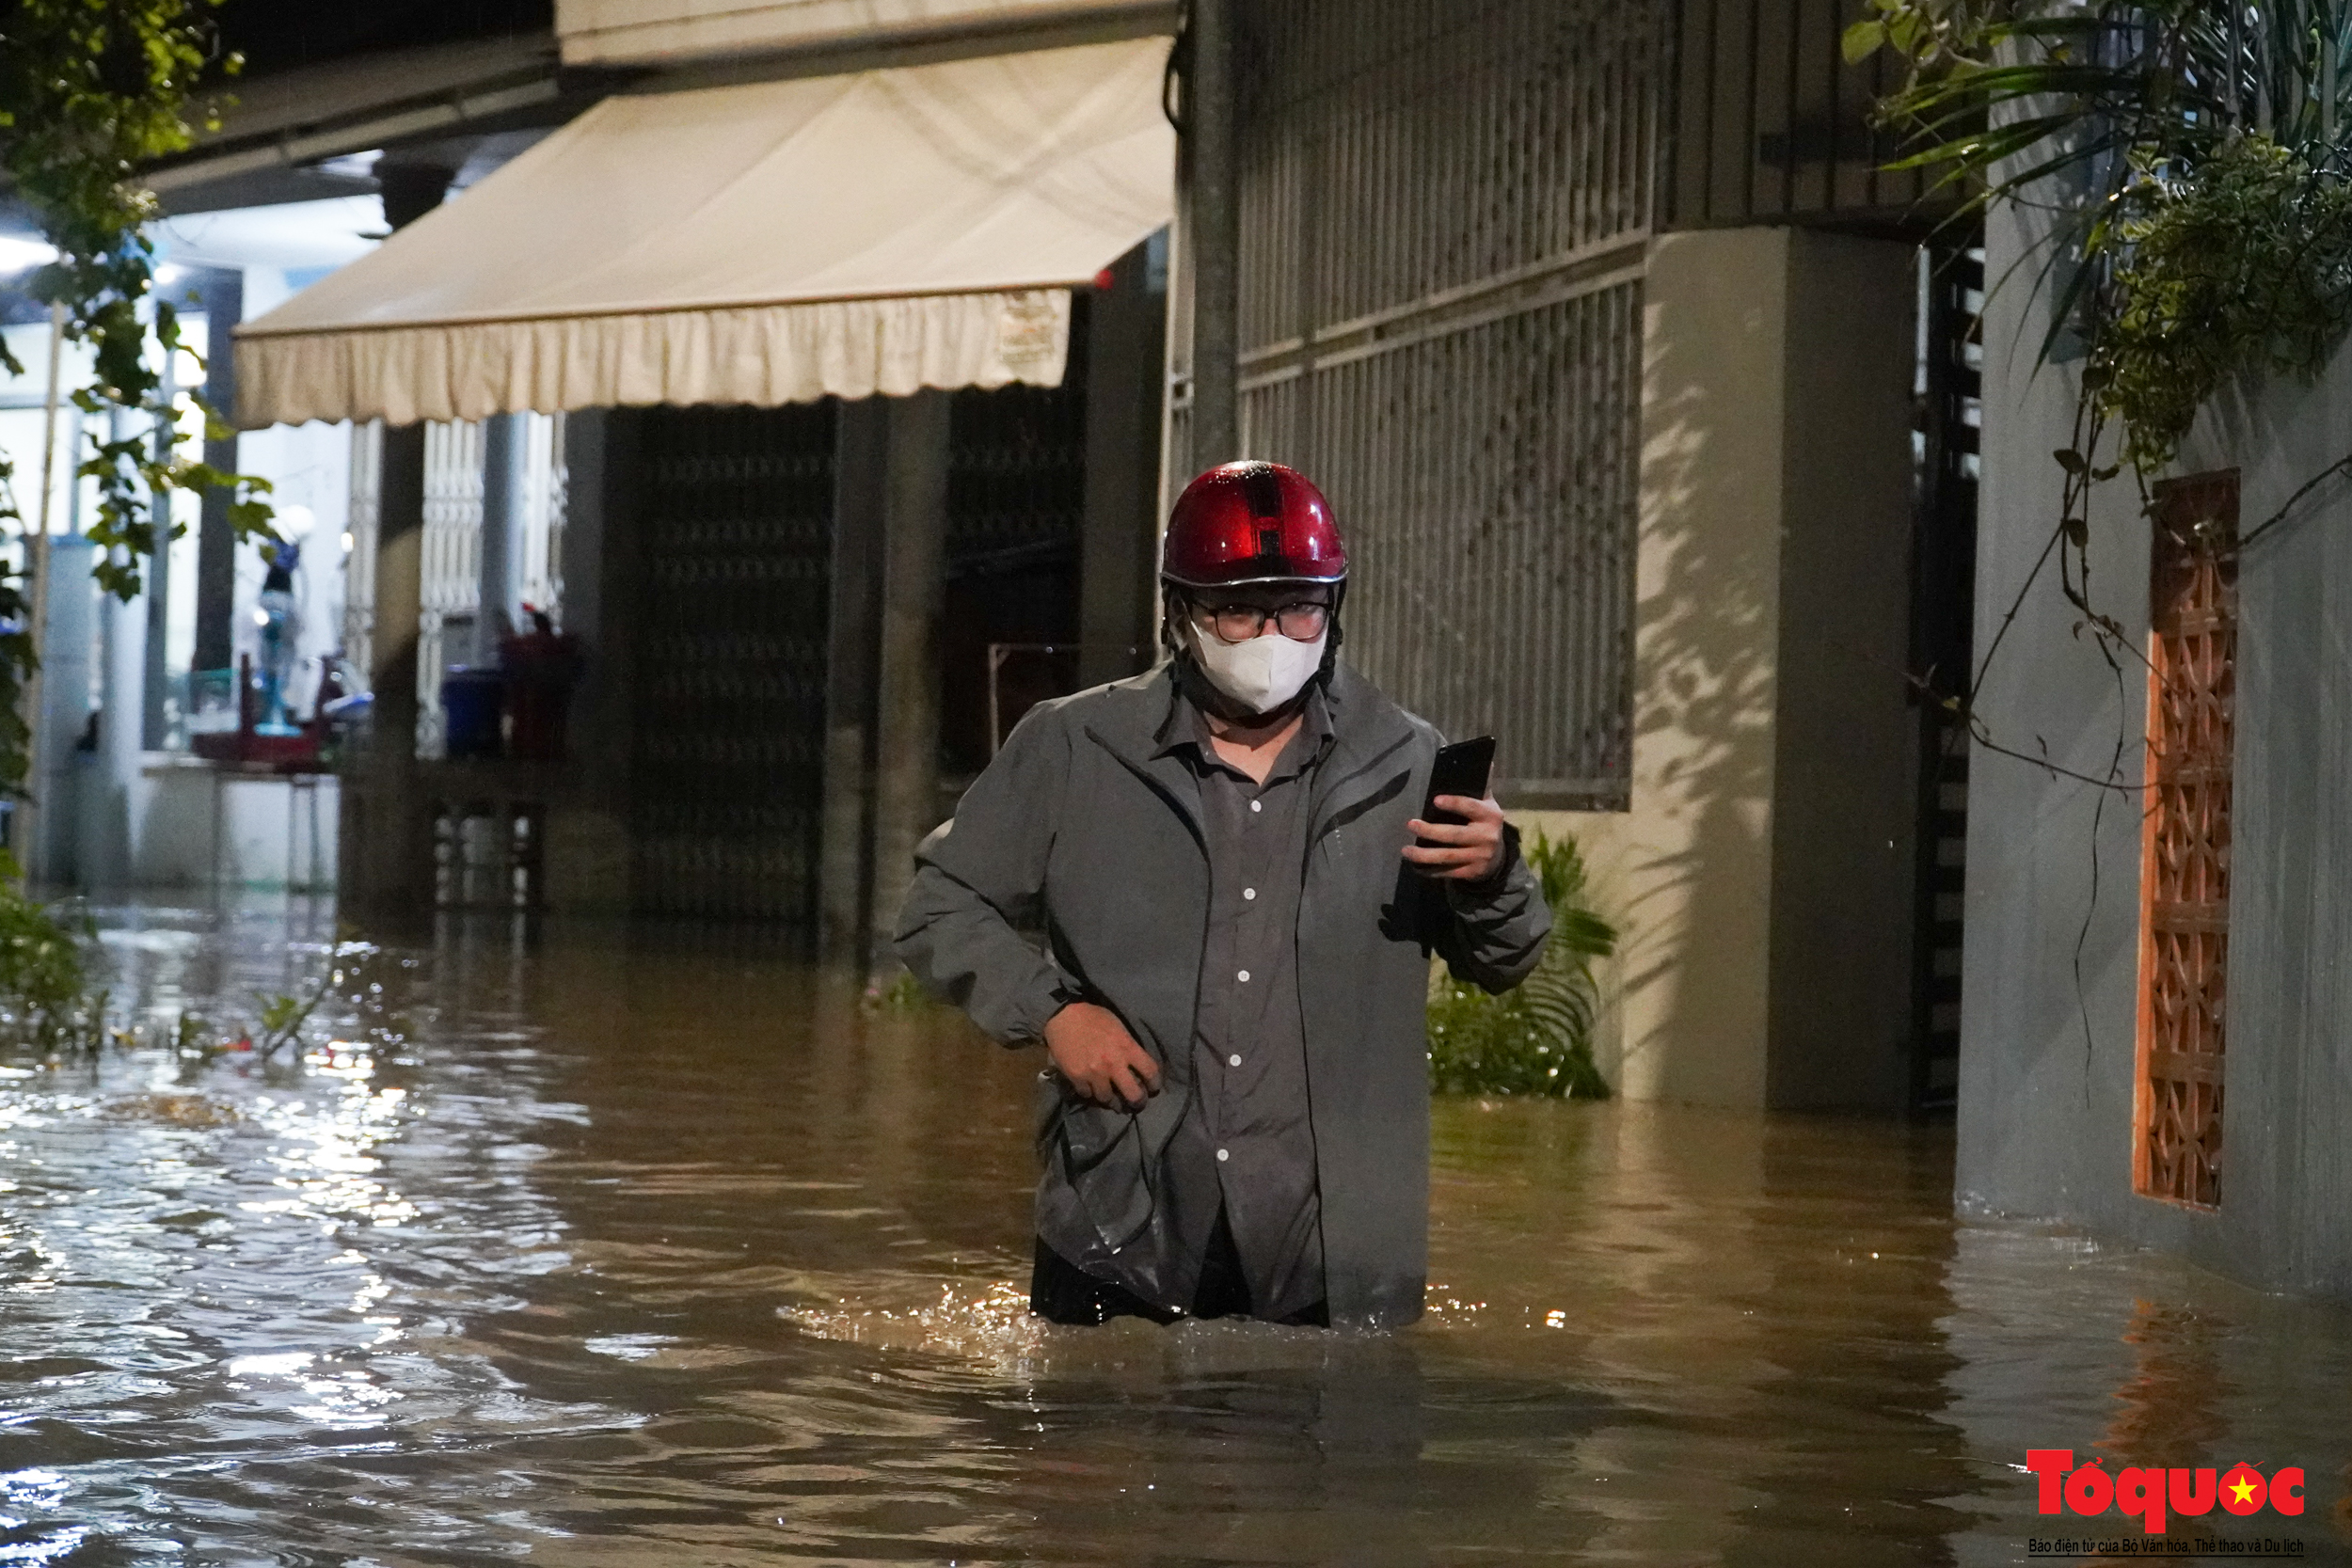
(1261, 674)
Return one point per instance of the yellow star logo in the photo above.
(2241, 1489)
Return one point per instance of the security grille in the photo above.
(546, 504)
(730, 691)
(1771, 121)
(2184, 858)
(450, 585)
(449, 628)
(1016, 498)
(1445, 219)
(1950, 388)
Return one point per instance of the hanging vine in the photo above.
(2185, 163)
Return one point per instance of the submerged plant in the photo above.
(1536, 1039)
(49, 1005)
(45, 999)
(904, 994)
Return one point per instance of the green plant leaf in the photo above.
(1864, 40)
(1536, 1039)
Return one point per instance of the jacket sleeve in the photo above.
(1491, 933)
(980, 877)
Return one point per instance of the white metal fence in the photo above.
(450, 585)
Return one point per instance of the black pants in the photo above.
(1062, 1292)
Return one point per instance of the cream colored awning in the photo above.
(766, 244)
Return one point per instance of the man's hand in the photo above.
(1092, 1049)
(1469, 853)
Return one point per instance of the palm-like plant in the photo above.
(2182, 168)
(2189, 161)
(1536, 1039)
(2063, 88)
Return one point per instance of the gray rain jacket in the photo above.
(1079, 830)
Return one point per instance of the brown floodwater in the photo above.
(592, 1248)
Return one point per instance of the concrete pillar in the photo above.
(1213, 244)
(1845, 776)
(132, 686)
(503, 476)
(852, 665)
(1763, 875)
(222, 297)
(65, 658)
(384, 832)
(914, 591)
(1119, 544)
(399, 593)
(586, 855)
(108, 844)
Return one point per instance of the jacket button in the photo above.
(1249, 892)
(1245, 976)
(1233, 1060)
(1224, 1153)
(1257, 805)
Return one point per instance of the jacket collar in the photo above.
(1137, 722)
(1142, 723)
(1368, 733)
(1187, 729)
(1364, 723)
(1143, 720)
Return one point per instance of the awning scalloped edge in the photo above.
(762, 355)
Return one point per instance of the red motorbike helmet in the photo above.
(1252, 522)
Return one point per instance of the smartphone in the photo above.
(1461, 768)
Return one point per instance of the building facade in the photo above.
(2155, 1014)
(1641, 386)
(1600, 324)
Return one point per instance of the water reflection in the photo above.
(2171, 1413)
(594, 1250)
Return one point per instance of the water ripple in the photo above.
(606, 1254)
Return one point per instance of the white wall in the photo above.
(162, 819)
(194, 825)
(1686, 873)
(309, 468)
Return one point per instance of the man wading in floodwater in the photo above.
(1237, 926)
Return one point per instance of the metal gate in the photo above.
(448, 585)
(733, 534)
(1016, 500)
(1950, 387)
(1445, 218)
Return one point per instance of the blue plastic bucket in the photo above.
(471, 700)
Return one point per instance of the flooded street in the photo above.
(660, 1250)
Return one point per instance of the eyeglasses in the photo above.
(1300, 623)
